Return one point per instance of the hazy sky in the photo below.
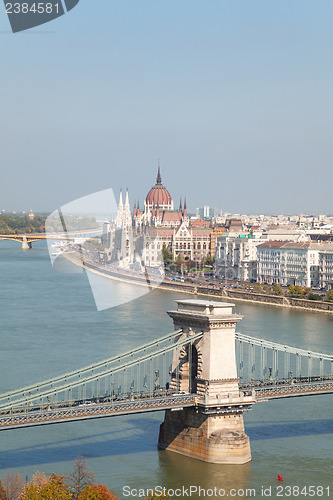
(234, 97)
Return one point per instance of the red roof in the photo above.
(158, 195)
(161, 232)
(171, 215)
(201, 231)
(200, 223)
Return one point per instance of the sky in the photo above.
(234, 98)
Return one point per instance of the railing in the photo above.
(143, 370)
(261, 360)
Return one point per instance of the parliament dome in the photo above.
(159, 196)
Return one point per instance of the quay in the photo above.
(203, 290)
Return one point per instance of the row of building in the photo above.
(283, 253)
(275, 256)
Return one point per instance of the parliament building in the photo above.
(158, 225)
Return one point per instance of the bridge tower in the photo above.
(213, 431)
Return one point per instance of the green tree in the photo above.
(209, 261)
(54, 489)
(167, 256)
(329, 296)
(299, 291)
(314, 296)
(16, 224)
(180, 261)
(31, 490)
(190, 265)
(277, 289)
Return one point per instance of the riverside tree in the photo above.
(45, 488)
(97, 492)
(79, 485)
(80, 477)
(13, 486)
(2, 492)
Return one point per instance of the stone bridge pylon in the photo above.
(213, 431)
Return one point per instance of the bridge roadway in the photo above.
(266, 391)
(67, 235)
(89, 410)
(76, 411)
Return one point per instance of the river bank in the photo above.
(207, 291)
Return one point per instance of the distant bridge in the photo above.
(28, 238)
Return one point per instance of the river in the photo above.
(49, 325)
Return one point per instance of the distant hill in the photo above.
(18, 224)
(21, 224)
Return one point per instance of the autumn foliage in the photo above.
(97, 492)
(78, 485)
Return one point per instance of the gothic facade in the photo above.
(157, 226)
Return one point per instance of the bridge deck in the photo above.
(92, 410)
(69, 413)
(293, 390)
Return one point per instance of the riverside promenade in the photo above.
(224, 293)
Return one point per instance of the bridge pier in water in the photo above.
(213, 431)
(26, 245)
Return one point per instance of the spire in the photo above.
(185, 208)
(180, 205)
(158, 178)
(127, 205)
(120, 204)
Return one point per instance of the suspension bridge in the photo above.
(203, 366)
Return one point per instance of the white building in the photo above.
(288, 263)
(326, 266)
(236, 255)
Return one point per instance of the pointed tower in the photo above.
(127, 211)
(185, 217)
(158, 178)
(120, 204)
(119, 218)
(180, 205)
(127, 205)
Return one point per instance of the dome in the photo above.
(159, 196)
